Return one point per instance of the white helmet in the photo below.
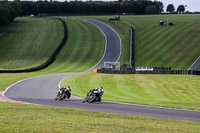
(100, 89)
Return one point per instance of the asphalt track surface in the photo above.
(195, 65)
(43, 89)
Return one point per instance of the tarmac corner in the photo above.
(5, 99)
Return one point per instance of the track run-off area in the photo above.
(43, 89)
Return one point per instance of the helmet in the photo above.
(100, 89)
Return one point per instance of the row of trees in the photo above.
(171, 8)
(92, 7)
(8, 11)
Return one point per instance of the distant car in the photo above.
(32, 15)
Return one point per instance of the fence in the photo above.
(132, 57)
(157, 70)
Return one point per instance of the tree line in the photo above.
(9, 10)
(92, 7)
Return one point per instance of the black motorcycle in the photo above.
(94, 95)
(63, 93)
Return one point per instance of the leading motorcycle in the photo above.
(94, 95)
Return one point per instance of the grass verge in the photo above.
(31, 118)
(174, 91)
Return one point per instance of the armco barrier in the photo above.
(49, 61)
(132, 57)
(161, 71)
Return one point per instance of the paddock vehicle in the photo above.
(94, 95)
(63, 93)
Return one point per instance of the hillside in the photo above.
(176, 46)
(30, 43)
(83, 50)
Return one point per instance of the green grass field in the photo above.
(175, 46)
(30, 44)
(36, 119)
(174, 91)
(157, 90)
(83, 50)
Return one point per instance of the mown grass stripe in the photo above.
(150, 38)
(30, 50)
(166, 47)
(177, 91)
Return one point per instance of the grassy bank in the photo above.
(176, 91)
(31, 118)
(31, 43)
(83, 50)
(176, 46)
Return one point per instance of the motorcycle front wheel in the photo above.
(92, 98)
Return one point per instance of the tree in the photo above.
(17, 7)
(159, 6)
(170, 8)
(151, 9)
(181, 9)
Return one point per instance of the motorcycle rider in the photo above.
(98, 92)
(63, 90)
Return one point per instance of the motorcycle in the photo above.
(94, 95)
(63, 93)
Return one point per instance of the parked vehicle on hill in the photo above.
(94, 95)
(63, 93)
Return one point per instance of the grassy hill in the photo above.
(33, 42)
(176, 46)
(30, 44)
(83, 50)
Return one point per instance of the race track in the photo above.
(195, 65)
(43, 89)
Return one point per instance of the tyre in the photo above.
(99, 99)
(62, 96)
(68, 95)
(92, 98)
